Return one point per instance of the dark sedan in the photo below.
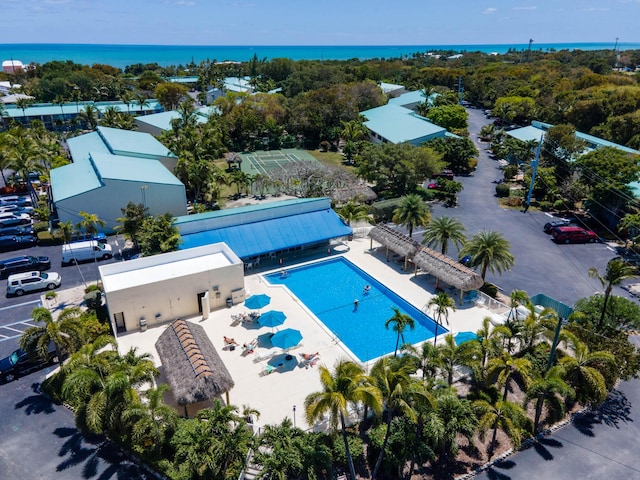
(19, 230)
(14, 242)
(20, 363)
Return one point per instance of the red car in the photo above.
(572, 234)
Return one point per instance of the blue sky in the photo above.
(318, 22)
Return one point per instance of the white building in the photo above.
(154, 290)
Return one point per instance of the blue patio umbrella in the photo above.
(256, 302)
(286, 338)
(463, 337)
(272, 318)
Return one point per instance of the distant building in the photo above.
(157, 123)
(395, 124)
(12, 66)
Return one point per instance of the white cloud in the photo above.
(186, 3)
(490, 11)
(596, 9)
(532, 7)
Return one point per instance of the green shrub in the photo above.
(41, 227)
(355, 446)
(546, 206)
(514, 202)
(490, 289)
(510, 171)
(46, 239)
(383, 211)
(503, 190)
(561, 205)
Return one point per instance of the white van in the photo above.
(84, 251)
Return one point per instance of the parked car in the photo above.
(18, 230)
(20, 363)
(559, 222)
(14, 242)
(15, 209)
(25, 263)
(20, 200)
(20, 283)
(85, 251)
(8, 219)
(573, 234)
(83, 237)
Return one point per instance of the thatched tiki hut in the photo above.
(361, 193)
(194, 370)
(395, 241)
(440, 266)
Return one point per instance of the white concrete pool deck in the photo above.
(276, 394)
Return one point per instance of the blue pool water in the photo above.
(329, 288)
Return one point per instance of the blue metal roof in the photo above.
(138, 144)
(162, 120)
(398, 124)
(80, 146)
(252, 239)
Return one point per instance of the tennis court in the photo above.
(264, 162)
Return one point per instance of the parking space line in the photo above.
(14, 329)
(20, 305)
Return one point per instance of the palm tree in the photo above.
(440, 304)
(353, 212)
(616, 272)
(451, 355)
(23, 103)
(60, 101)
(143, 101)
(505, 368)
(506, 416)
(90, 223)
(550, 390)
(400, 322)
(425, 359)
(412, 212)
(65, 332)
(441, 230)
(23, 155)
(89, 116)
(399, 393)
(214, 445)
(347, 384)
(583, 371)
(152, 421)
(67, 230)
(489, 250)
(453, 417)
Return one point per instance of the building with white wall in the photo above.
(154, 290)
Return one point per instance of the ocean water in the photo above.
(122, 55)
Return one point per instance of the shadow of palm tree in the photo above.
(493, 474)
(615, 409)
(93, 452)
(35, 404)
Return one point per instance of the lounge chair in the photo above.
(269, 369)
(309, 360)
(249, 347)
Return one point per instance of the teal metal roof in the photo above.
(72, 109)
(138, 144)
(526, 134)
(162, 120)
(563, 310)
(134, 169)
(80, 146)
(74, 179)
(398, 124)
(242, 210)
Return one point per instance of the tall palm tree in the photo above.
(152, 421)
(583, 371)
(353, 212)
(550, 389)
(425, 359)
(412, 212)
(400, 322)
(24, 103)
(65, 332)
(505, 368)
(24, 155)
(451, 355)
(489, 250)
(506, 416)
(67, 230)
(89, 115)
(442, 230)
(346, 385)
(616, 272)
(90, 223)
(440, 305)
(452, 418)
(400, 393)
(60, 101)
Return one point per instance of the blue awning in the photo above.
(258, 238)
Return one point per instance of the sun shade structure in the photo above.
(272, 318)
(428, 260)
(353, 192)
(194, 370)
(256, 302)
(286, 338)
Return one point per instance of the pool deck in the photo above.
(277, 394)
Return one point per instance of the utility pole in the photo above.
(534, 164)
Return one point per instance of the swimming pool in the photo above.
(329, 288)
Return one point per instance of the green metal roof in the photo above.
(398, 124)
(138, 144)
(74, 179)
(134, 169)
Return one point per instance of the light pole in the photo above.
(143, 191)
(294, 416)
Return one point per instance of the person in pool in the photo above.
(366, 289)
